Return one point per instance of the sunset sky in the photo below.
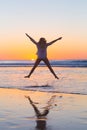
(43, 18)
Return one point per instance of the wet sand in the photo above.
(67, 112)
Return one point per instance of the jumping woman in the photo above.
(42, 54)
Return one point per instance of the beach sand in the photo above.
(68, 111)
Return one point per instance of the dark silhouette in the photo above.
(41, 117)
(42, 54)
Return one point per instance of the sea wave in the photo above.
(56, 63)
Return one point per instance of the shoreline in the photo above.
(42, 91)
(69, 111)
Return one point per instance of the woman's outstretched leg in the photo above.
(35, 65)
(50, 68)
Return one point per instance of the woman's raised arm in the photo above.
(31, 38)
(50, 43)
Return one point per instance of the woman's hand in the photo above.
(27, 35)
(59, 38)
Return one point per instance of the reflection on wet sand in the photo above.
(41, 116)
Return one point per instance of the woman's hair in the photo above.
(42, 40)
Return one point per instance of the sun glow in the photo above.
(32, 59)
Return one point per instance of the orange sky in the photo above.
(43, 19)
(21, 48)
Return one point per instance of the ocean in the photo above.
(58, 63)
(72, 76)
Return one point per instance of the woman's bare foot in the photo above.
(26, 76)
